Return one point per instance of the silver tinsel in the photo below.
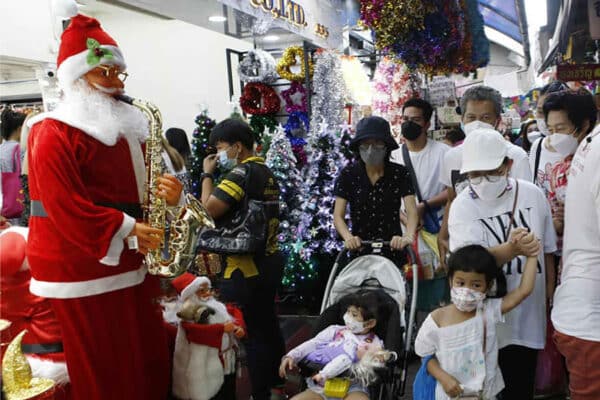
(328, 102)
(258, 66)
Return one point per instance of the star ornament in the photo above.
(323, 126)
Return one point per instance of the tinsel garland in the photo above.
(287, 94)
(259, 99)
(260, 124)
(297, 126)
(288, 60)
(358, 86)
(433, 36)
(257, 66)
(200, 136)
(328, 102)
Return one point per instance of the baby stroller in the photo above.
(373, 272)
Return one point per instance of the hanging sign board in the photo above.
(319, 21)
(581, 72)
(594, 16)
(441, 90)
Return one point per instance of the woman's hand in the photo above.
(400, 242)
(318, 378)
(354, 243)
(558, 218)
(524, 242)
(451, 386)
(287, 364)
(169, 188)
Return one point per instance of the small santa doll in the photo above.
(42, 342)
(206, 343)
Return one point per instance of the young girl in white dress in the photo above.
(456, 335)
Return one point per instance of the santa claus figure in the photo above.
(86, 180)
(204, 362)
(42, 343)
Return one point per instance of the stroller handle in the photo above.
(386, 243)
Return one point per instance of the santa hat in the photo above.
(84, 45)
(188, 284)
(13, 242)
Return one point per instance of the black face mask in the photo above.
(411, 130)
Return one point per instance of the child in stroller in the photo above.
(352, 350)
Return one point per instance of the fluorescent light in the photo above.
(271, 38)
(217, 18)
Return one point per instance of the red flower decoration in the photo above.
(259, 99)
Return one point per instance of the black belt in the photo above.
(132, 209)
(42, 348)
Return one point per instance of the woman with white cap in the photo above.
(493, 212)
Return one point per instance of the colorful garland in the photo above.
(259, 99)
(290, 107)
(289, 59)
(260, 123)
(258, 66)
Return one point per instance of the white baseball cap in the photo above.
(483, 150)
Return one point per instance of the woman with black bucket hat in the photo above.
(374, 187)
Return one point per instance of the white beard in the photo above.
(100, 113)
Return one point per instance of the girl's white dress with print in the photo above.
(459, 350)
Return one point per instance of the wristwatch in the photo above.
(206, 175)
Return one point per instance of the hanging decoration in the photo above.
(328, 102)
(261, 124)
(434, 36)
(259, 99)
(358, 86)
(257, 66)
(292, 56)
(200, 136)
(290, 106)
(296, 128)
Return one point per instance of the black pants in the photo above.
(518, 365)
(264, 342)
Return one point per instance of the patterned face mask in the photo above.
(465, 299)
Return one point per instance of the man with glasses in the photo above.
(86, 179)
(493, 211)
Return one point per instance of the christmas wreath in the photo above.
(258, 66)
(289, 59)
(259, 99)
(290, 107)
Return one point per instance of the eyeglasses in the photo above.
(476, 180)
(111, 72)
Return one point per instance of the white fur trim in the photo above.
(193, 287)
(72, 290)
(197, 370)
(74, 67)
(57, 371)
(70, 120)
(117, 243)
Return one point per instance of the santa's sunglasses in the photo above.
(111, 72)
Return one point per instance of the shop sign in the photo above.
(594, 16)
(581, 72)
(441, 90)
(319, 21)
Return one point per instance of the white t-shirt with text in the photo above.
(450, 175)
(547, 160)
(576, 309)
(474, 221)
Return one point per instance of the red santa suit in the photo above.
(42, 344)
(204, 353)
(86, 177)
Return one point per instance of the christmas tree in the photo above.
(282, 162)
(199, 149)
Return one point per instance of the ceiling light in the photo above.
(271, 38)
(217, 18)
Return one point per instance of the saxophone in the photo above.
(187, 220)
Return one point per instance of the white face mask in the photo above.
(533, 136)
(564, 143)
(355, 326)
(489, 191)
(542, 127)
(225, 162)
(471, 126)
(465, 299)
